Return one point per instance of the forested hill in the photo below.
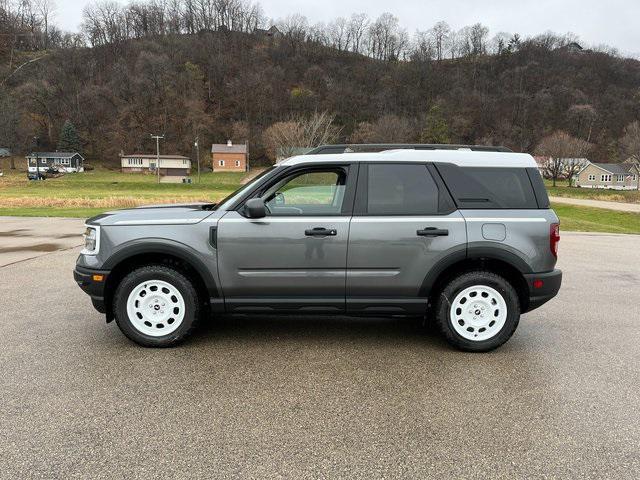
(224, 84)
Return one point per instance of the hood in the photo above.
(172, 214)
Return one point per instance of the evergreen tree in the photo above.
(436, 129)
(69, 140)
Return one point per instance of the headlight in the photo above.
(91, 241)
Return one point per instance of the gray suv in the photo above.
(462, 235)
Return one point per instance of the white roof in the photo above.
(462, 158)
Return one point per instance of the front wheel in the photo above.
(478, 311)
(156, 306)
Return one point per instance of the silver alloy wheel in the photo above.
(478, 313)
(155, 308)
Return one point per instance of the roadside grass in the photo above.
(102, 190)
(587, 219)
(51, 212)
(562, 189)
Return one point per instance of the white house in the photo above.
(176, 165)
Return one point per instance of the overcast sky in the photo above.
(611, 22)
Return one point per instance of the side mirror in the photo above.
(254, 208)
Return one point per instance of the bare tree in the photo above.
(564, 152)
(423, 48)
(387, 129)
(357, 29)
(45, 9)
(387, 40)
(583, 118)
(282, 138)
(630, 141)
(339, 34)
(439, 35)
(294, 27)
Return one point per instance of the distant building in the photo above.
(574, 47)
(227, 157)
(5, 152)
(170, 165)
(64, 161)
(271, 32)
(614, 176)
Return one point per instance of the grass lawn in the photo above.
(89, 193)
(563, 190)
(586, 219)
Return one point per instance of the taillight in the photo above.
(554, 238)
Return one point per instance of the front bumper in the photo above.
(92, 282)
(542, 287)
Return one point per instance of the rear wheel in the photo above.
(156, 306)
(478, 311)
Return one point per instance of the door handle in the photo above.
(433, 232)
(320, 232)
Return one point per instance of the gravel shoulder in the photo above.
(619, 206)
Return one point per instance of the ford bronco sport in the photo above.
(463, 235)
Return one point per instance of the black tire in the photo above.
(177, 280)
(469, 279)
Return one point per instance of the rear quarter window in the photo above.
(489, 187)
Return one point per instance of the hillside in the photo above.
(223, 84)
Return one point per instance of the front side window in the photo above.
(317, 192)
(401, 189)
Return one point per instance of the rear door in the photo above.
(404, 223)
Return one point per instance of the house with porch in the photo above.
(69, 162)
(614, 176)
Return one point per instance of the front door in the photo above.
(404, 223)
(294, 258)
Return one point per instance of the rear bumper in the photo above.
(542, 287)
(92, 282)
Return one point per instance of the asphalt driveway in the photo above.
(269, 397)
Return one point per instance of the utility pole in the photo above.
(36, 144)
(198, 157)
(158, 137)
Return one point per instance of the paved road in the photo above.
(583, 202)
(22, 238)
(272, 397)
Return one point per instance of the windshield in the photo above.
(244, 188)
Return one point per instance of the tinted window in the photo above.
(538, 187)
(401, 190)
(489, 187)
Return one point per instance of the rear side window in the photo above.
(401, 189)
(489, 187)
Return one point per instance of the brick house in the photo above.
(170, 165)
(227, 157)
(615, 176)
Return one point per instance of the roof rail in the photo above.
(379, 147)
